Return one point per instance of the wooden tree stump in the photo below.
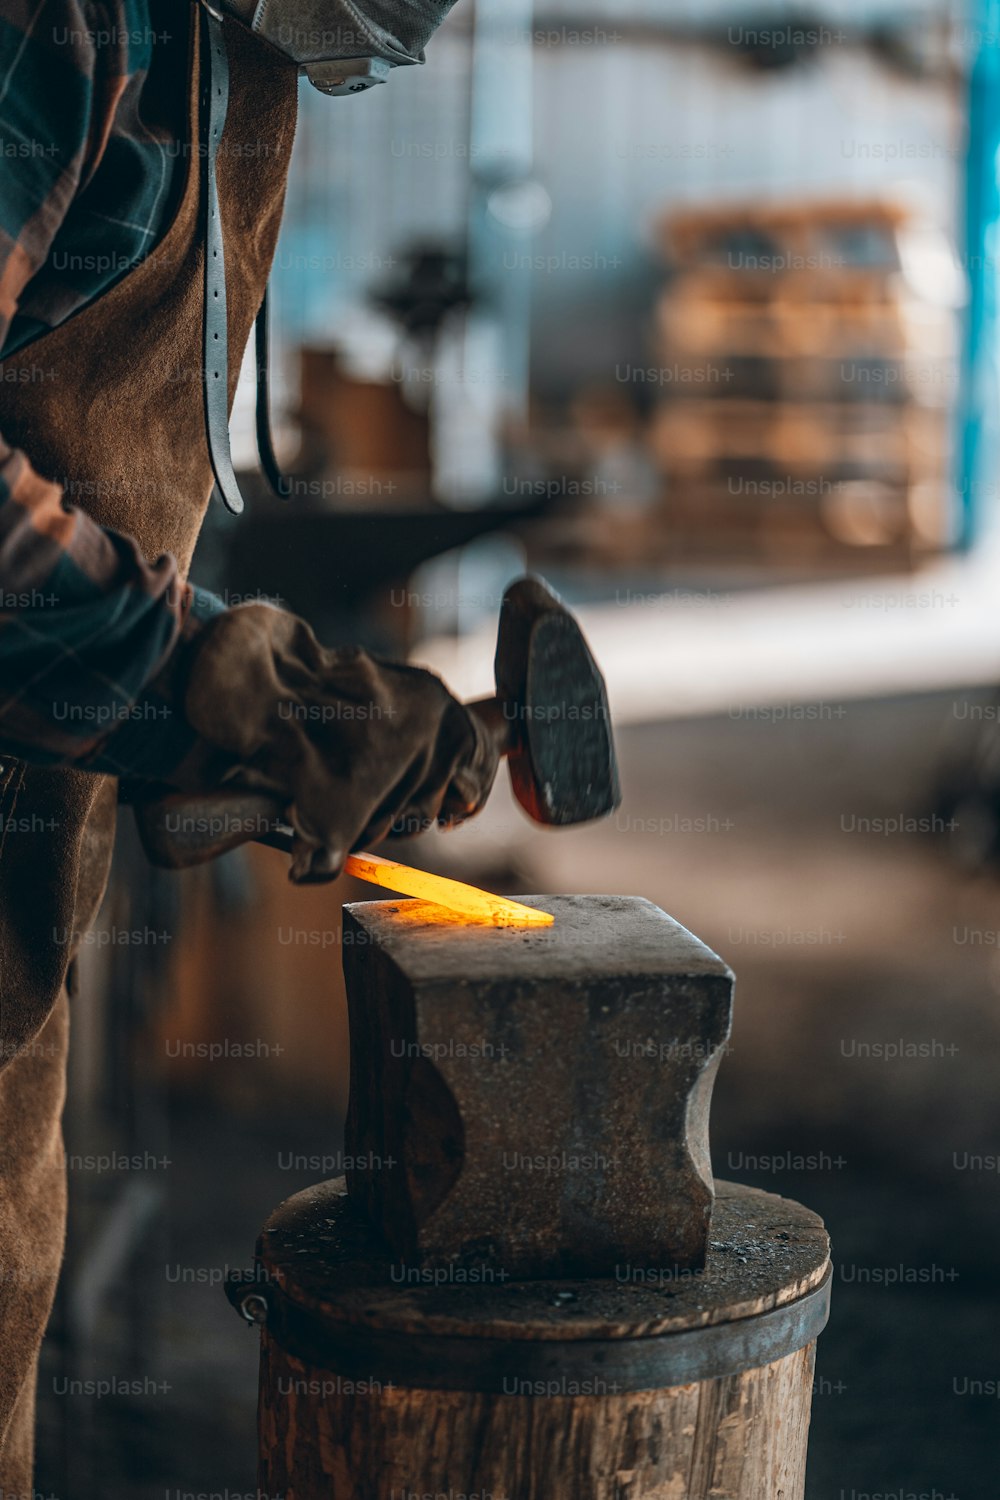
(383, 1381)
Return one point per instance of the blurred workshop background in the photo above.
(691, 308)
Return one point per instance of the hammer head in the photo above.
(562, 765)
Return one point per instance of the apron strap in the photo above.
(280, 483)
(214, 104)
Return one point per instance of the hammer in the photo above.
(549, 718)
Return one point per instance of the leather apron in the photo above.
(120, 419)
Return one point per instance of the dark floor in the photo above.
(747, 831)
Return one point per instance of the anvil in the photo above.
(534, 1100)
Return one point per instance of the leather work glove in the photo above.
(356, 747)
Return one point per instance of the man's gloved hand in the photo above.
(356, 747)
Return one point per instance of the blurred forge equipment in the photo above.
(913, 44)
(342, 569)
(372, 416)
(369, 424)
(606, 489)
(360, 438)
(806, 358)
(967, 796)
(450, 365)
(363, 485)
(432, 283)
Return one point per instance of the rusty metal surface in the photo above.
(319, 1251)
(551, 1366)
(534, 1101)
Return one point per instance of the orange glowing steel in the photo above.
(467, 900)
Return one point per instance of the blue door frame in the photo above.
(978, 448)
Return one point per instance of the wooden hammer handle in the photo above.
(185, 829)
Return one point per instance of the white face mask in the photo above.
(342, 47)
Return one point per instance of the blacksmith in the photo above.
(112, 664)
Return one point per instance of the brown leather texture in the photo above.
(353, 746)
(120, 420)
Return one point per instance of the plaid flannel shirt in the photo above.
(91, 633)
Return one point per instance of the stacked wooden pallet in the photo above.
(803, 384)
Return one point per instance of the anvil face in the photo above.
(534, 1101)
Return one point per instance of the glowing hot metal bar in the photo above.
(454, 894)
